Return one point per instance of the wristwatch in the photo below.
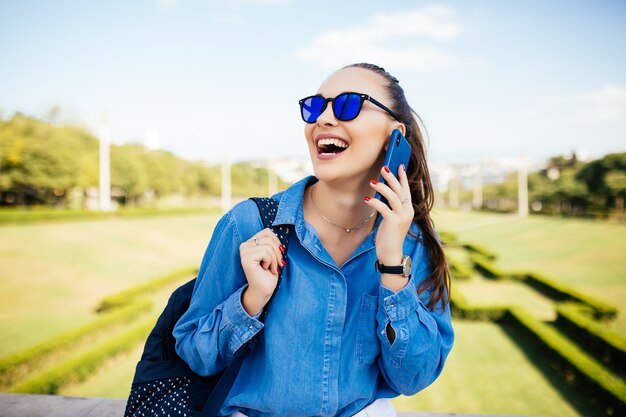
(404, 269)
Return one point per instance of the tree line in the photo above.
(42, 163)
(46, 164)
(568, 186)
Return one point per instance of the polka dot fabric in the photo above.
(168, 397)
(156, 394)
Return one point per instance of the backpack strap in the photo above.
(267, 209)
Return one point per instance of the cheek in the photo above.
(308, 131)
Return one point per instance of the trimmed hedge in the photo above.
(458, 269)
(80, 367)
(562, 292)
(606, 389)
(129, 295)
(486, 267)
(480, 250)
(609, 346)
(46, 214)
(15, 366)
(547, 286)
(448, 238)
(462, 309)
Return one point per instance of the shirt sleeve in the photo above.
(216, 324)
(423, 338)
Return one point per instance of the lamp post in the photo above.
(522, 187)
(105, 168)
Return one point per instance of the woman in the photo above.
(341, 337)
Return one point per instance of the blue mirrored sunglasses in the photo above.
(346, 106)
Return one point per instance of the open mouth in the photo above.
(331, 146)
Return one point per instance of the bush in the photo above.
(462, 309)
(46, 214)
(609, 346)
(578, 368)
(448, 238)
(15, 366)
(77, 369)
(459, 270)
(128, 295)
(480, 250)
(486, 267)
(562, 292)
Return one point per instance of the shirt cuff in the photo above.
(242, 325)
(399, 305)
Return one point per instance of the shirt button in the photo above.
(382, 332)
(392, 305)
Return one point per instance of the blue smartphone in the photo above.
(398, 153)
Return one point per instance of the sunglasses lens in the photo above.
(311, 108)
(347, 106)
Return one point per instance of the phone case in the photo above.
(398, 152)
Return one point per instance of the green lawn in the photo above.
(487, 373)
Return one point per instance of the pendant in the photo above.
(348, 230)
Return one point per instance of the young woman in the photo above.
(344, 334)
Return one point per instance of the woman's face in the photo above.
(365, 136)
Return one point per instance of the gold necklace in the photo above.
(345, 229)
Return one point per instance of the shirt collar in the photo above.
(290, 201)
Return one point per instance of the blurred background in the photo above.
(127, 128)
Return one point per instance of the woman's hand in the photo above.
(261, 258)
(397, 219)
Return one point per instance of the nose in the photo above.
(327, 118)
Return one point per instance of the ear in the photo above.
(401, 127)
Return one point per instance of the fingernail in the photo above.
(283, 262)
(373, 181)
(282, 249)
(403, 168)
(387, 168)
(367, 198)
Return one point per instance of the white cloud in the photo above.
(374, 41)
(607, 103)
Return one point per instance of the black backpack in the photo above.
(164, 384)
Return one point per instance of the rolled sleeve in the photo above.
(241, 325)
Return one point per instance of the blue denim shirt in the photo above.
(324, 349)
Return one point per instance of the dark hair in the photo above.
(422, 196)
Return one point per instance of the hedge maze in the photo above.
(577, 344)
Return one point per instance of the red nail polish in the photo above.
(282, 249)
(283, 262)
(373, 181)
(387, 168)
(367, 198)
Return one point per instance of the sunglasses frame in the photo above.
(363, 98)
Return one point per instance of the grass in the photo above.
(487, 373)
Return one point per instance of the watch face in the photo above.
(406, 270)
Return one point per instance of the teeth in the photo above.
(330, 141)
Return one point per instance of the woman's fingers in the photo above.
(267, 250)
(391, 190)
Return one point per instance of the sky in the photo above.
(206, 79)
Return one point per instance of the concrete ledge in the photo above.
(26, 405)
